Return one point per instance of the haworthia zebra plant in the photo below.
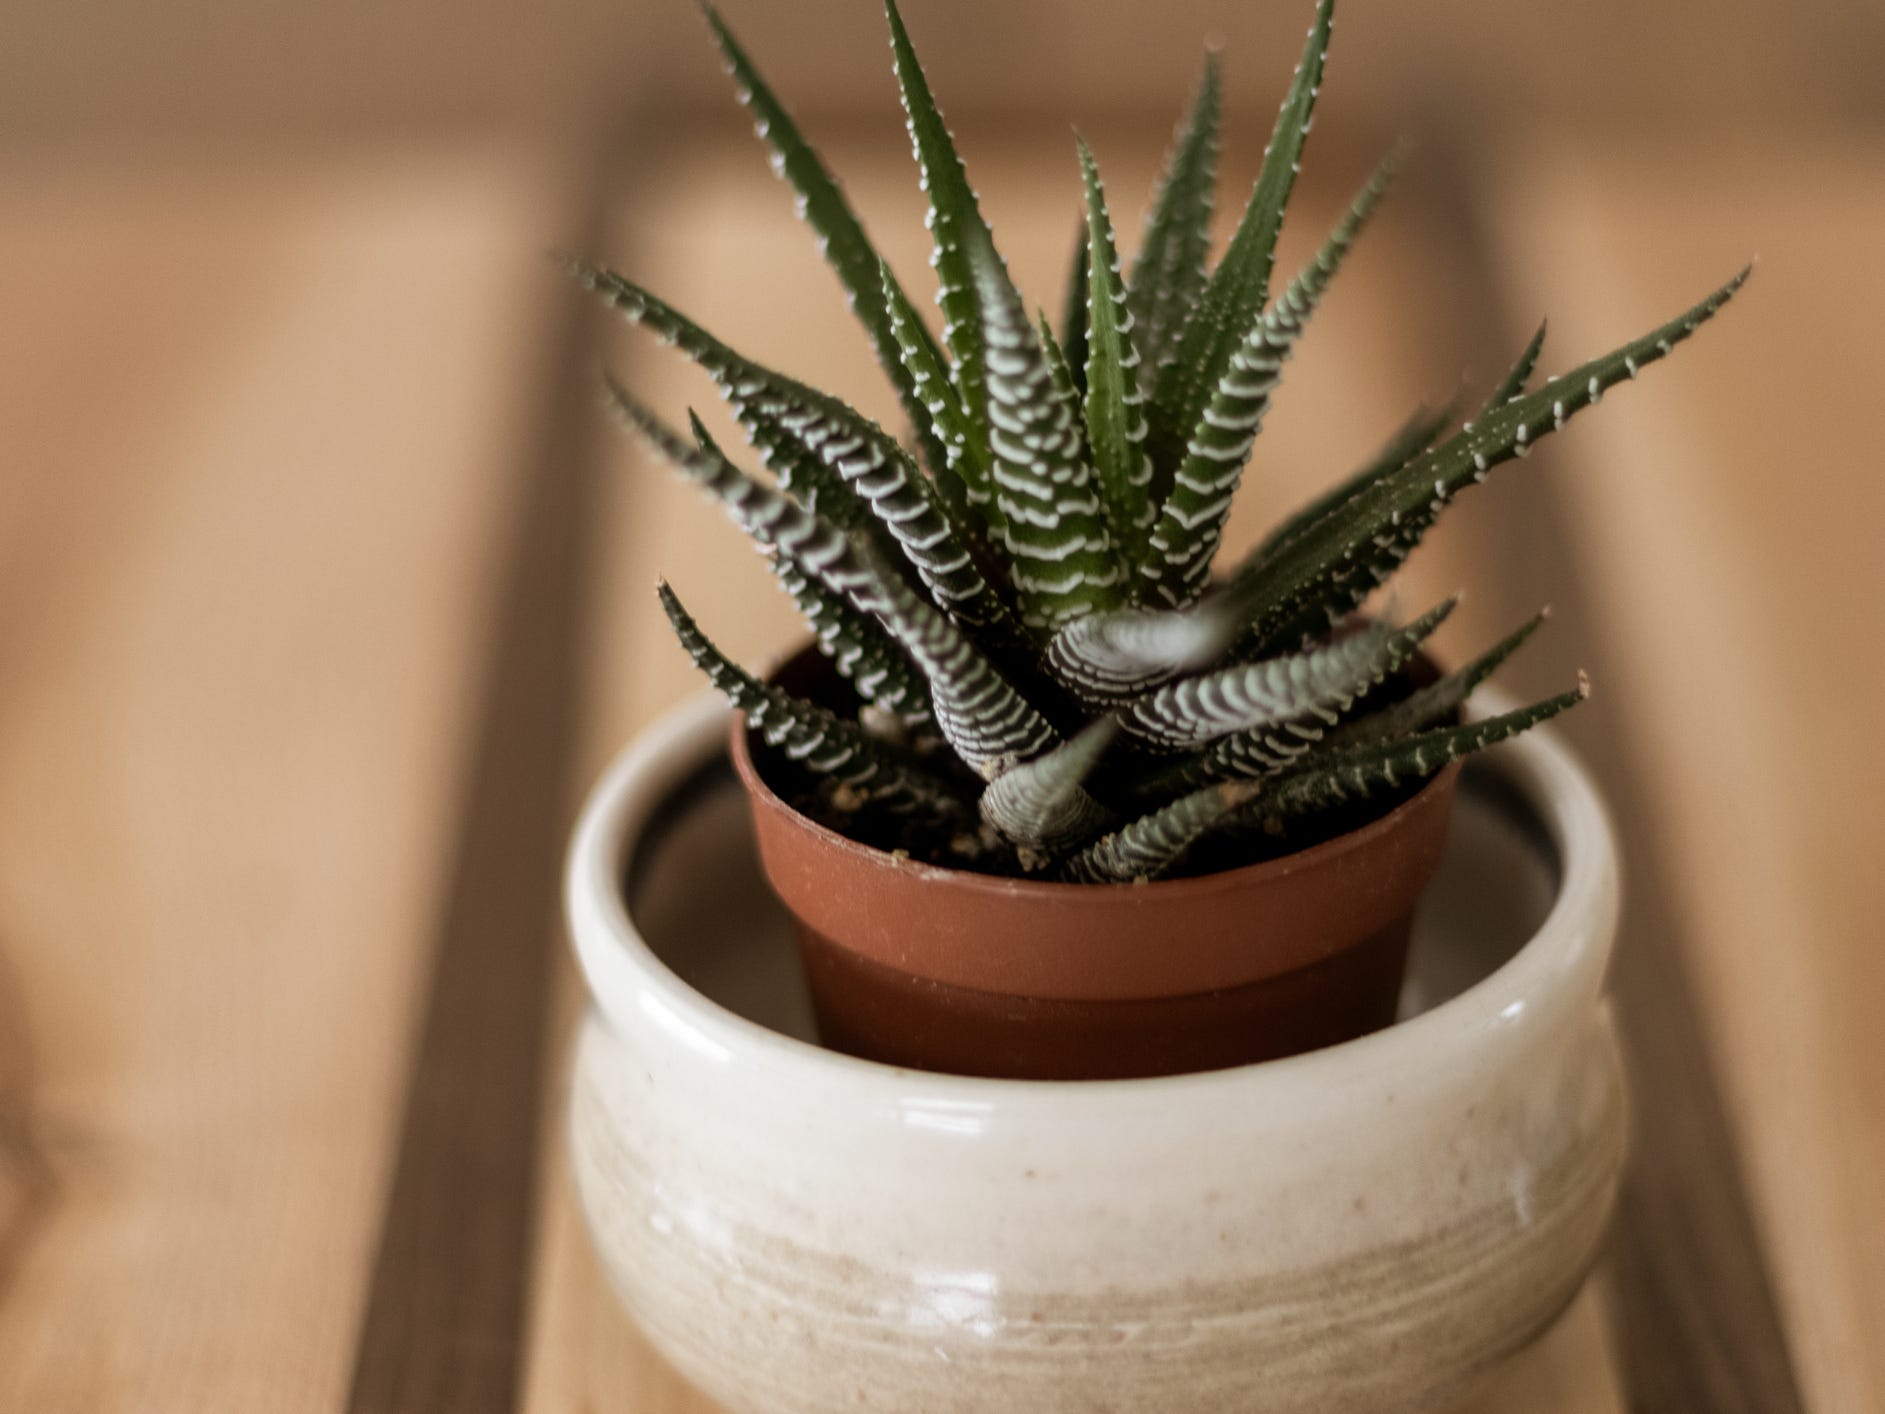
(1044, 673)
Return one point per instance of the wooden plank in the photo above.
(444, 1318)
(1725, 522)
(718, 238)
(261, 426)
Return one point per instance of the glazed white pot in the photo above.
(1369, 1227)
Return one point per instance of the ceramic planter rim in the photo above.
(630, 985)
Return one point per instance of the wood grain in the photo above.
(260, 433)
(445, 1308)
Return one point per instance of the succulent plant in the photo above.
(1044, 673)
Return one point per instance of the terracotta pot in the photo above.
(968, 974)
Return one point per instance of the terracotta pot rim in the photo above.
(1045, 890)
(1561, 965)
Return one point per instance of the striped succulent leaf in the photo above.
(1115, 411)
(860, 460)
(822, 205)
(1222, 314)
(1190, 524)
(1310, 687)
(825, 743)
(1363, 771)
(1105, 659)
(1042, 806)
(860, 647)
(1035, 575)
(1153, 843)
(1266, 747)
(1052, 525)
(986, 722)
(756, 395)
(964, 443)
(1385, 550)
(989, 725)
(955, 220)
(1333, 565)
(1169, 270)
(1433, 704)
(857, 644)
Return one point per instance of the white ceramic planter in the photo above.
(1369, 1227)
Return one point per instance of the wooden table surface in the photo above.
(325, 589)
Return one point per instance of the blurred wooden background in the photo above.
(324, 590)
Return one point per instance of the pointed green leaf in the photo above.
(1363, 771)
(1233, 300)
(860, 647)
(756, 394)
(987, 723)
(1332, 566)
(1433, 704)
(1314, 685)
(1513, 384)
(955, 219)
(825, 743)
(857, 458)
(1073, 316)
(1152, 844)
(823, 206)
(1421, 430)
(1272, 744)
(1057, 364)
(1190, 525)
(1115, 413)
(965, 462)
(1061, 556)
(1169, 271)
(1043, 806)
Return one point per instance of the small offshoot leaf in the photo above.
(1513, 384)
(1043, 807)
